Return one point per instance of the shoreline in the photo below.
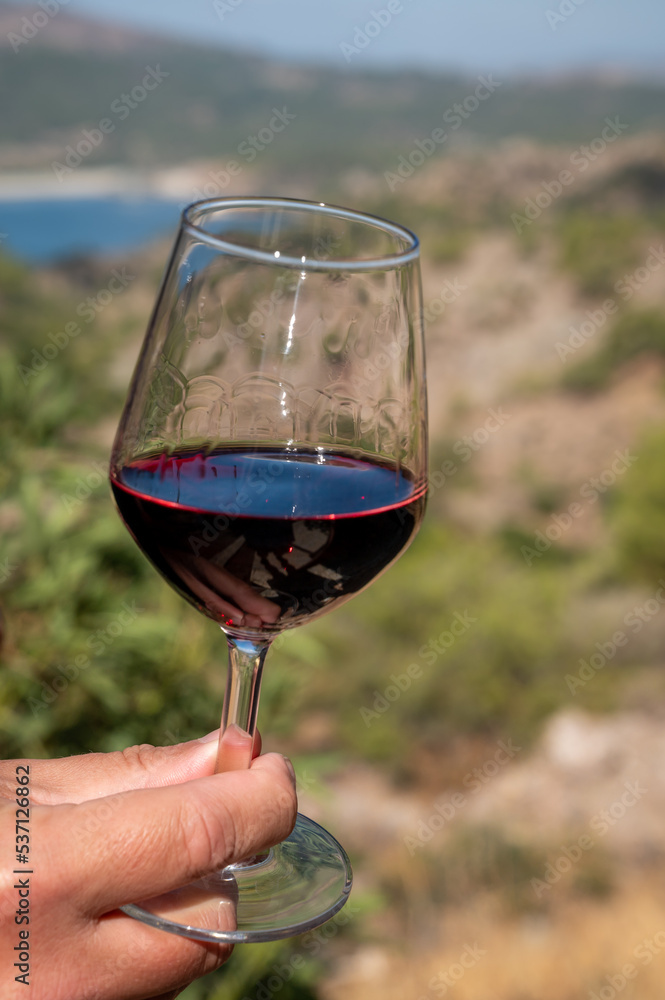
(173, 184)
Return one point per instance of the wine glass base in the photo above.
(297, 886)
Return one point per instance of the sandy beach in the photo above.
(176, 183)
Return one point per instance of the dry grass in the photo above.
(566, 953)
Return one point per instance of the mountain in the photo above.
(72, 74)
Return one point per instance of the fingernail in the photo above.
(290, 769)
(210, 737)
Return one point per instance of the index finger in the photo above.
(142, 843)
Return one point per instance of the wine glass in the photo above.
(271, 462)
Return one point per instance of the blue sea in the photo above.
(46, 230)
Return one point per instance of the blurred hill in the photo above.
(545, 310)
(68, 74)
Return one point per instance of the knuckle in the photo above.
(288, 803)
(281, 796)
(208, 838)
(284, 784)
(141, 756)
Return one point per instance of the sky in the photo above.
(506, 36)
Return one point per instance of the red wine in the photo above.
(260, 539)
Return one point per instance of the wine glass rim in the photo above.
(341, 264)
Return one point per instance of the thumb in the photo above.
(156, 839)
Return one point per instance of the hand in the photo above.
(209, 582)
(109, 829)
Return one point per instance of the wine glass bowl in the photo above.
(271, 457)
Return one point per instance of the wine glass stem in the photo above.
(241, 703)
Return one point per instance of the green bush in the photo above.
(635, 334)
(98, 652)
(484, 858)
(598, 248)
(48, 379)
(501, 674)
(637, 514)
